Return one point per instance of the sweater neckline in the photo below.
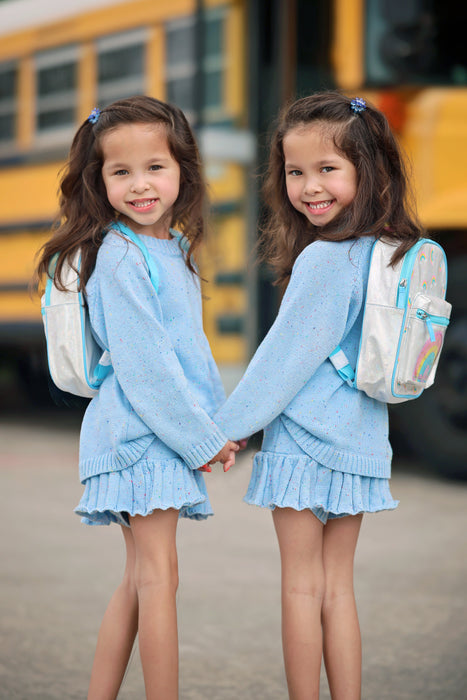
(163, 245)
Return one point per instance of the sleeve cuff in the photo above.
(199, 455)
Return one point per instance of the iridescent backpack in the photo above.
(404, 323)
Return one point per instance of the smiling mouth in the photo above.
(142, 203)
(318, 206)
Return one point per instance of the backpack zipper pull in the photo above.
(426, 317)
(401, 293)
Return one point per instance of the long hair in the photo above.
(383, 201)
(85, 212)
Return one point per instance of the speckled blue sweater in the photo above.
(290, 375)
(164, 380)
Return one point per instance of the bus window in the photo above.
(214, 60)
(8, 91)
(120, 66)
(56, 97)
(415, 42)
(181, 64)
(180, 67)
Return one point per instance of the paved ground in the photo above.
(56, 577)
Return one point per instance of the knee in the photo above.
(304, 595)
(157, 574)
(310, 587)
(128, 583)
(336, 594)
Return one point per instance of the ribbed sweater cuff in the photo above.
(201, 454)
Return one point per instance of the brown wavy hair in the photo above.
(85, 212)
(383, 203)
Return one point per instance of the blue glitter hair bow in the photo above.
(357, 105)
(94, 116)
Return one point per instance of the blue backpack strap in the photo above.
(52, 266)
(103, 368)
(105, 363)
(183, 240)
(50, 281)
(184, 244)
(152, 269)
(342, 365)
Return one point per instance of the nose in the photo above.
(139, 183)
(313, 185)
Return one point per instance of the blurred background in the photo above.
(230, 64)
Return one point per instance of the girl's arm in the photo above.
(143, 358)
(310, 324)
(214, 379)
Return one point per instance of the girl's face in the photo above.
(320, 182)
(141, 177)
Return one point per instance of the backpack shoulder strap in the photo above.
(183, 240)
(152, 268)
(342, 365)
(184, 244)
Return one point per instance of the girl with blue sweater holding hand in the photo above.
(149, 432)
(335, 183)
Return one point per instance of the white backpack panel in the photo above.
(404, 323)
(77, 363)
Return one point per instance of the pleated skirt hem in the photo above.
(141, 489)
(299, 482)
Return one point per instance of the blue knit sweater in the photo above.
(290, 375)
(164, 380)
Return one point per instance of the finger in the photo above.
(229, 463)
(205, 468)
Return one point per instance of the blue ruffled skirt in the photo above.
(159, 481)
(285, 476)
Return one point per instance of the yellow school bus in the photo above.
(230, 64)
(56, 64)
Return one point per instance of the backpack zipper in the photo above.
(430, 319)
(406, 271)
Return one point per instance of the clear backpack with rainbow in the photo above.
(404, 324)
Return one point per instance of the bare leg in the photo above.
(300, 536)
(156, 583)
(341, 630)
(117, 633)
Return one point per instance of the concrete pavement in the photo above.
(57, 575)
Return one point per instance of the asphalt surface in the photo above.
(57, 575)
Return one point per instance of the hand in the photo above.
(226, 455)
(242, 443)
(204, 468)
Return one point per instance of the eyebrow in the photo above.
(149, 161)
(326, 161)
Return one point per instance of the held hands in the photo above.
(226, 456)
